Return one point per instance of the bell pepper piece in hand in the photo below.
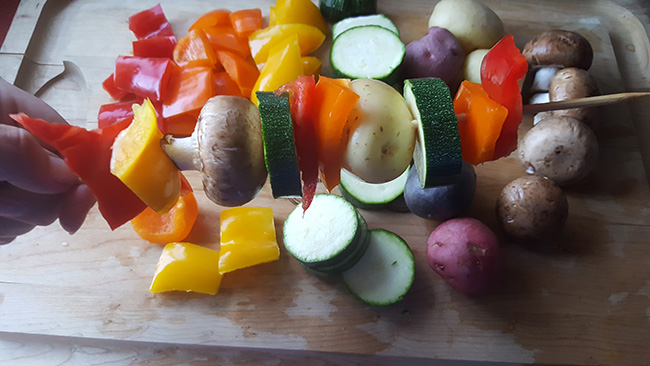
(187, 267)
(303, 105)
(247, 238)
(336, 99)
(88, 154)
(173, 226)
(480, 120)
(502, 68)
(140, 162)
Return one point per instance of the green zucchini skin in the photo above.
(279, 145)
(367, 196)
(438, 157)
(336, 10)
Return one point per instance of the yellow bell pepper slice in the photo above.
(139, 161)
(299, 11)
(311, 65)
(264, 40)
(187, 267)
(247, 238)
(284, 65)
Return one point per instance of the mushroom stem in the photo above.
(184, 152)
(583, 102)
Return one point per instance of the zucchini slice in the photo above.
(335, 10)
(374, 19)
(370, 52)
(386, 271)
(329, 237)
(437, 156)
(371, 196)
(279, 144)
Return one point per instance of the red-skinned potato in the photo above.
(466, 254)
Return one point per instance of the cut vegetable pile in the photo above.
(274, 112)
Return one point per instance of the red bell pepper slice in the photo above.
(112, 90)
(114, 112)
(150, 23)
(159, 46)
(146, 77)
(303, 105)
(502, 68)
(88, 154)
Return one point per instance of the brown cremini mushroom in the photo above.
(559, 48)
(226, 147)
(573, 83)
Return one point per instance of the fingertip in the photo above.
(74, 208)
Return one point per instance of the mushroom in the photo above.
(559, 48)
(532, 209)
(573, 83)
(226, 147)
(561, 148)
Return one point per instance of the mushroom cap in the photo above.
(231, 150)
(559, 48)
(573, 83)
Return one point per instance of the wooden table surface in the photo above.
(83, 299)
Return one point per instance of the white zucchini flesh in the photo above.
(386, 271)
(373, 193)
(374, 19)
(369, 51)
(325, 229)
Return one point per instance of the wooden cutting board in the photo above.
(84, 298)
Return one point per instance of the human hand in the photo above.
(36, 186)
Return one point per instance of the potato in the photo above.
(474, 24)
(382, 133)
(437, 54)
(441, 202)
(561, 148)
(466, 253)
(532, 209)
(472, 66)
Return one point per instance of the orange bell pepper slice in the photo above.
(186, 95)
(195, 46)
(173, 226)
(213, 18)
(246, 21)
(480, 122)
(336, 99)
(224, 85)
(242, 71)
(226, 39)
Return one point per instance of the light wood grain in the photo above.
(84, 298)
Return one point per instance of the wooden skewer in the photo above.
(583, 102)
